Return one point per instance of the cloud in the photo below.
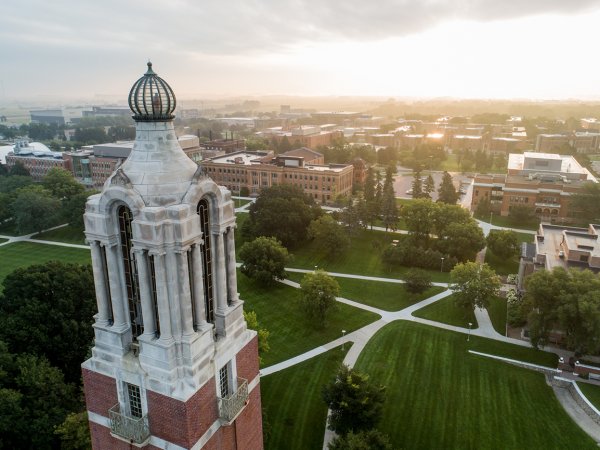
(247, 26)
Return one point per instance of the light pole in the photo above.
(442, 265)
(316, 267)
(491, 212)
(343, 342)
(469, 335)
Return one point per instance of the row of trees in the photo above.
(35, 207)
(423, 189)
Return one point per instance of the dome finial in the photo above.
(150, 71)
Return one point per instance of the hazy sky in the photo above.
(463, 48)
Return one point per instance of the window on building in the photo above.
(134, 400)
(154, 294)
(131, 276)
(204, 213)
(224, 385)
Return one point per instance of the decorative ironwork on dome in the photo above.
(151, 99)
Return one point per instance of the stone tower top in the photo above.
(151, 98)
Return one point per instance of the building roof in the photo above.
(304, 152)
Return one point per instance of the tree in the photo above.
(74, 208)
(363, 440)
(417, 185)
(474, 285)
(462, 240)
(19, 170)
(447, 192)
(521, 213)
(35, 209)
(483, 209)
(61, 184)
(587, 202)
(263, 333)
(318, 291)
(428, 186)
(48, 310)
(418, 216)
(389, 209)
(74, 432)
(264, 259)
(417, 281)
(503, 243)
(355, 403)
(284, 212)
(370, 185)
(329, 234)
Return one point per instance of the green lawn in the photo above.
(506, 221)
(22, 254)
(445, 311)
(497, 312)
(379, 294)
(278, 310)
(500, 265)
(68, 234)
(441, 397)
(240, 202)
(292, 403)
(363, 257)
(3, 240)
(592, 392)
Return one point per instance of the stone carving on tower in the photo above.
(173, 364)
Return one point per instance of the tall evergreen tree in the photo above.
(417, 185)
(447, 192)
(429, 187)
(370, 185)
(389, 210)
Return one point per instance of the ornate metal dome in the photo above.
(151, 99)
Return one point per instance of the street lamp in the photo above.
(316, 268)
(469, 335)
(442, 266)
(343, 342)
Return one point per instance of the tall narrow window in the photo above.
(190, 263)
(106, 278)
(224, 381)
(134, 399)
(131, 277)
(203, 212)
(154, 294)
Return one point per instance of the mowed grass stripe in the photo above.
(293, 405)
(445, 311)
(379, 294)
(440, 396)
(278, 310)
(23, 254)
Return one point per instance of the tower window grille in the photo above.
(106, 278)
(224, 381)
(203, 212)
(154, 294)
(134, 399)
(131, 276)
(190, 263)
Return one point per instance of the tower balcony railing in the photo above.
(230, 406)
(134, 429)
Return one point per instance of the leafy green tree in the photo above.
(74, 432)
(264, 259)
(3, 170)
(350, 216)
(417, 281)
(318, 291)
(444, 215)
(263, 333)
(503, 243)
(74, 208)
(19, 170)
(483, 209)
(389, 209)
(521, 214)
(35, 209)
(284, 212)
(474, 285)
(447, 192)
(12, 183)
(363, 440)
(370, 185)
(61, 184)
(330, 235)
(462, 240)
(418, 216)
(355, 403)
(48, 310)
(587, 202)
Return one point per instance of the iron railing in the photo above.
(134, 429)
(230, 406)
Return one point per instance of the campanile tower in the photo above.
(173, 364)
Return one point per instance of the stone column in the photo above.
(199, 303)
(100, 283)
(220, 272)
(185, 297)
(171, 270)
(117, 290)
(146, 297)
(162, 294)
(231, 268)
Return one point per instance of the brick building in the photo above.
(543, 182)
(36, 158)
(174, 365)
(302, 167)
